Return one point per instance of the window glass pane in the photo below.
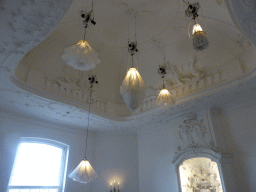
(36, 164)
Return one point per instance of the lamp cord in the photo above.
(84, 33)
(135, 30)
(92, 10)
(132, 60)
(88, 120)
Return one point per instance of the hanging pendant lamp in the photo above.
(84, 172)
(200, 41)
(82, 56)
(133, 88)
(164, 97)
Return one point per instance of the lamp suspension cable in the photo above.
(88, 123)
(135, 30)
(84, 33)
(92, 11)
(132, 59)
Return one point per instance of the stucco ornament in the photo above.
(193, 133)
(180, 76)
(81, 56)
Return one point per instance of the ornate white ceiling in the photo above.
(162, 30)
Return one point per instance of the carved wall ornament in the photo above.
(181, 76)
(193, 133)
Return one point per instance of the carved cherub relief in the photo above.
(182, 75)
(192, 132)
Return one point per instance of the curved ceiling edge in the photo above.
(21, 34)
(32, 81)
(245, 13)
(181, 104)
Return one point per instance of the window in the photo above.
(39, 166)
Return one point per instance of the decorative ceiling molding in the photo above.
(198, 87)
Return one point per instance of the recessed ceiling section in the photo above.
(162, 32)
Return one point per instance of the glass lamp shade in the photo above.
(133, 89)
(164, 98)
(196, 28)
(83, 173)
(81, 56)
(200, 42)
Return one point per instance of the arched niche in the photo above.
(209, 156)
(200, 174)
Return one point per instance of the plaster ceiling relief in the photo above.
(161, 31)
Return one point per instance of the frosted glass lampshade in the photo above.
(200, 42)
(164, 98)
(83, 173)
(133, 89)
(81, 56)
(196, 28)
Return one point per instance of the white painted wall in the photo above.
(240, 133)
(115, 158)
(13, 126)
(235, 121)
(141, 163)
(156, 150)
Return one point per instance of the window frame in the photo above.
(64, 163)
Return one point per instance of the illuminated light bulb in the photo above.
(133, 89)
(84, 172)
(118, 190)
(196, 28)
(164, 98)
(200, 42)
